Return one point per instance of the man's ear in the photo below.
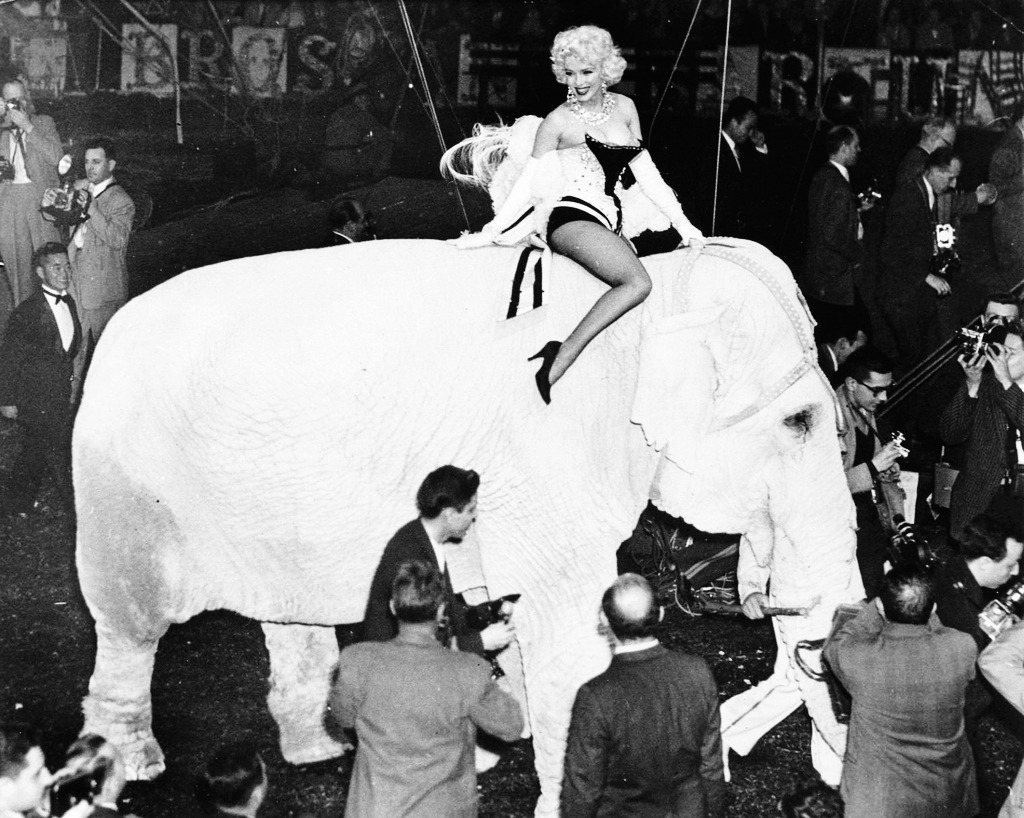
(391, 607)
(661, 613)
(113, 164)
(439, 616)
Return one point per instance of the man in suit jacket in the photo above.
(913, 297)
(415, 708)
(906, 755)
(986, 413)
(644, 738)
(36, 370)
(30, 143)
(729, 214)
(871, 466)
(838, 338)
(99, 247)
(446, 501)
(834, 231)
(1006, 172)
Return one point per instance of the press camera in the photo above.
(69, 790)
(14, 104)
(974, 342)
(487, 613)
(908, 547)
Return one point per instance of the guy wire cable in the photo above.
(414, 45)
(672, 73)
(721, 112)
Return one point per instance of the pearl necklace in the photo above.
(594, 117)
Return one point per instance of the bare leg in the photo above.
(610, 258)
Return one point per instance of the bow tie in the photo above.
(58, 297)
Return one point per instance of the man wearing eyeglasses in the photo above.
(870, 465)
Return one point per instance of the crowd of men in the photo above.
(646, 736)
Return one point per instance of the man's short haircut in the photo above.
(935, 124)
(446, 487)
(811, 798)
(104, 144)
(907, 595)
(940, 158)
(86, 755)
(16, 740)
(46, 252)
(344, 210)
(837, 137)
(1007, 299)
(862, 362)
(845, 325)
(230, 777)
(417, 591)
(627, 624)
(737, 110)
(986, 536)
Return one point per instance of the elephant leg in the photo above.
(301, 660)
(119, 706)
(828, 736)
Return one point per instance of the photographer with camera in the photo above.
(446, 501)
(872, 472)
(24, 779)
(415, 708)
(95, 767)
(987, 414)
(989, 556)
(30, 149)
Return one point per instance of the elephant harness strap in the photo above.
(532, 261)
(796, 311)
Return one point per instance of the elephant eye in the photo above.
(802, 422)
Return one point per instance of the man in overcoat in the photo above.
(906, 752)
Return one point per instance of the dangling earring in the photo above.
(604, 86)
(570, 94)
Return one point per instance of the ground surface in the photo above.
(210, 678)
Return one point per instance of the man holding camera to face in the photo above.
(987, 413)
(30, 149)
(25, 782)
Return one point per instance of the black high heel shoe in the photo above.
(547, 356)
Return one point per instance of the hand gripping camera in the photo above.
(974, 342)
(1003, 611)
(487, 613)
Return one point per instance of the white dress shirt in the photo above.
(62, 315)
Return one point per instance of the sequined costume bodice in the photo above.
(593, 169)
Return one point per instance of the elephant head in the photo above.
(744, 421)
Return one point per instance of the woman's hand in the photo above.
(471, 241)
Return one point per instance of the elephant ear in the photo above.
(676, 383)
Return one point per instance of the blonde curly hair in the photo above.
(593, 46)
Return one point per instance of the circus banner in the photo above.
(148, 57)
(261, 59)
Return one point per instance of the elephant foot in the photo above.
(129, 727)
(301, 660)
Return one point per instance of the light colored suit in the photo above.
(22, 227)
(100, 267)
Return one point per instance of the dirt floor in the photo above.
(210, 680)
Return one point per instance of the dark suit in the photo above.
(834, 250)
(953, 204)
(729, 212)
(906, 754)
(412, 543)
(983, 424)
(1006, 172)
(35, 376)
(645, 740)
(908, 245)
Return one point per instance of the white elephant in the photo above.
(251, 434)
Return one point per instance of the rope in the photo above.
(721, 113)
(435, 121)
(672, 73)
